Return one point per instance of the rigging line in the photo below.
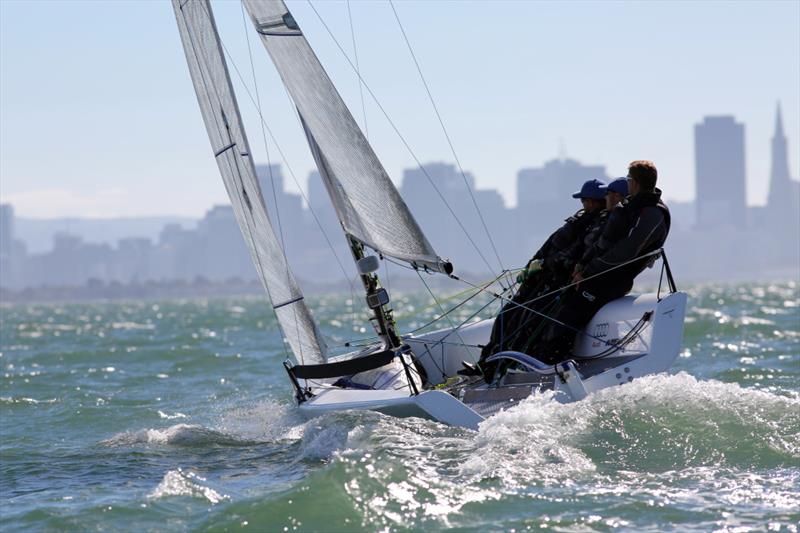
(402, 139)
(524, 305)
(446, 134)
(263, 132)
(355, 55)
(285, 161)
(308, 201)
(441, 309)
(269, 166)
(204, 73)
(473, 295)
(654, 253)
(440, 317)
(463, 322)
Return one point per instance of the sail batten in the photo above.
(215, 94)
(366, 201)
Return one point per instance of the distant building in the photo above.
(221, 248)
(782, 202)
(720, 173)
(6, 228)
(433, 190)
(544, 199)
(133, 260)
(13, 252)
(270, 179)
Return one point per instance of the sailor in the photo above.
(644, 223)
(556, 257)
(609, 226)
(549, 269)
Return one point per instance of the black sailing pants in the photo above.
(579, 306)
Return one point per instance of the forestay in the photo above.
(366, 201)
(220, 110)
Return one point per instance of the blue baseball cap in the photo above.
(619, 186)
(591, 189)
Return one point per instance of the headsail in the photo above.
(368, 205)
(220, 110)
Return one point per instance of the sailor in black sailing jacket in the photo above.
(603, 231)
(609, 228)
(644, 223)
(550, 268)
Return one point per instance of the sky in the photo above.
(98, 117)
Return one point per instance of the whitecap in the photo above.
(162, 414)
(132, 325)
(180, 483)
(32, 401)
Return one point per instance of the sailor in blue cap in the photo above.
(550, 268)
(591, 190)
(615, 192)
(632, 231)
(558, 252)
(608, 228)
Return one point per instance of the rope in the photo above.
(476, 293)
(401, 137)
(524, 305)
(355, 55)
(441, 309)
(446, 135)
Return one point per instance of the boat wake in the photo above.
(664, 438)
(656, 423)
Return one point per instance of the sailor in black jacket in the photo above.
(644, 222)
(609, 228)
(550, 268)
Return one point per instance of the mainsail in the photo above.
(220, 110)
(367, 203)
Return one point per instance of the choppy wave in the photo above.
(177, 435)
(668, 440)
(219, 445)
(241, 426)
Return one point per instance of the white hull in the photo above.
(652, 350)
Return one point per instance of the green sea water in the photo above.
(177, 415)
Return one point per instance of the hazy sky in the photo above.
(98, 116)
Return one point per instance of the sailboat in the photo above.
(400, 375)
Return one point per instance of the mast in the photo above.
(377, 297)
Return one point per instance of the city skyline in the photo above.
(127, 138)
(213, 248)
(318, 196)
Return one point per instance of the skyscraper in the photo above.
(6, 239)
(719, 173)
(544, 194)
(782, 200)
(6, 228)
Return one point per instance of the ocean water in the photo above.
(177, 415)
